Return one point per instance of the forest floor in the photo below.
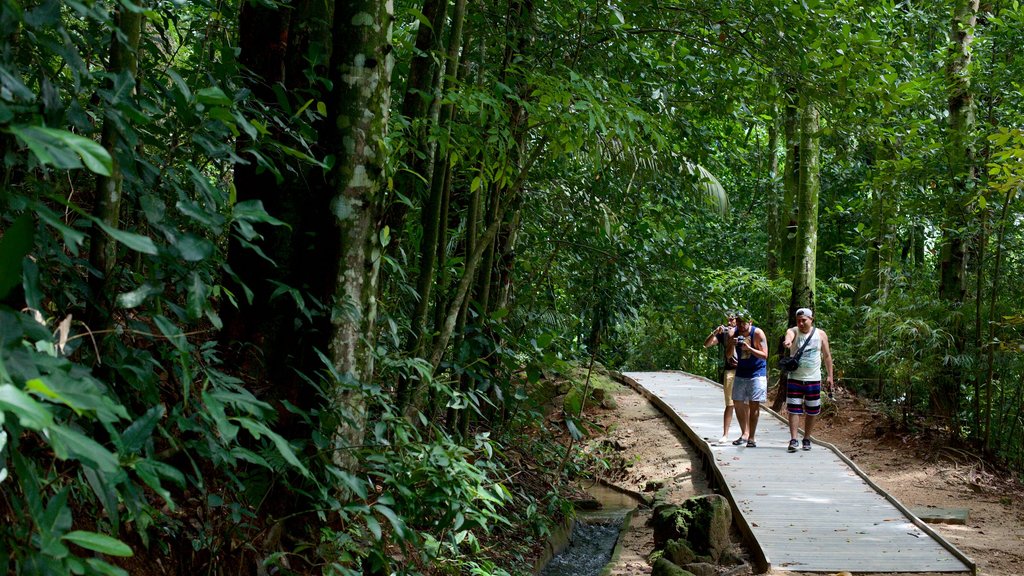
(647, 452)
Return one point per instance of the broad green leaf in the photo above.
(72, 238)
(136, 242)
(99, 543)
(397, 523)
(193, 249)
(258, 429)
(31, 414)
(68, 443)
(138, 296)
(171, 331)
(64, 150)
(135, 436)
(253, 211)
(213, 96)
(14, 246)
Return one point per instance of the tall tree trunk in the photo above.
(124, 47)
(871, 278)
(432, 221)
(361, 65)
(790, 181)
(952, 254)
(805, 263)
(283, 48)
(775, 230)
(414, 181)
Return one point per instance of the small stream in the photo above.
(593, 536)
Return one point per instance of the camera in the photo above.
(739, 341)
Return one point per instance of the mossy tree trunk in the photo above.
(361, 64)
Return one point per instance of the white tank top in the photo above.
(810, 362)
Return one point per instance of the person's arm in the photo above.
(826, 356)
(790, 337)
(760, 347)
(712, 338)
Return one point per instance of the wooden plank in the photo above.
(811, 511)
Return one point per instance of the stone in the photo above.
(679, 552)
(663, 567)
(701, 568)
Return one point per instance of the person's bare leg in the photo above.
(753, 414)
(808, 426)
(727, 421)
(741, 417)
(794, 426)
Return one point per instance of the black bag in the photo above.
(791, 363)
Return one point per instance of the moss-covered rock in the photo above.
(663, 567)
(679, 552)
(703, 522)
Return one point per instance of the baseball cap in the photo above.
(805, 312)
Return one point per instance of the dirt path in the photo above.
(649, 454)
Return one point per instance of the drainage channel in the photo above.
(594, 535)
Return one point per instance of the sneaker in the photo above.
(793, 445)
(807, 444)
(723, 440)
(751, 444)
(739, 441)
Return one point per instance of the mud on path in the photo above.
(648, 454)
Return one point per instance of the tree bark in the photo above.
(103, 248)
(805, 264)
(952, 253)
(361, 65)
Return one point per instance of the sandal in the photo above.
(751, 444)
(739, 441)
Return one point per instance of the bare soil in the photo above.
(648, 453)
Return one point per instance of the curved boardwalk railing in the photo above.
(812, 511)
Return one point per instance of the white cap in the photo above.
(805, 312)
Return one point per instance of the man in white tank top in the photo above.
(803, 389)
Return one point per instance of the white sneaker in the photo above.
(723, 440)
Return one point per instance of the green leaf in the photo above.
(99, 543)
(72, 238)
(396, 522)
(138, 296)
(283, 447)
(68, 443)
(253, 211)
(135, 436)
(64, 150)
(136, 242)
(213, 96)
(31, 414)
(171, 331)
(14, 246)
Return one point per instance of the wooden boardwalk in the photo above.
(811, 511)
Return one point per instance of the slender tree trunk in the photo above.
(361, 65)
(805, 264)
(775, 233)
(952, 253)
(790, 181)
(124, 48)
(414, 180)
